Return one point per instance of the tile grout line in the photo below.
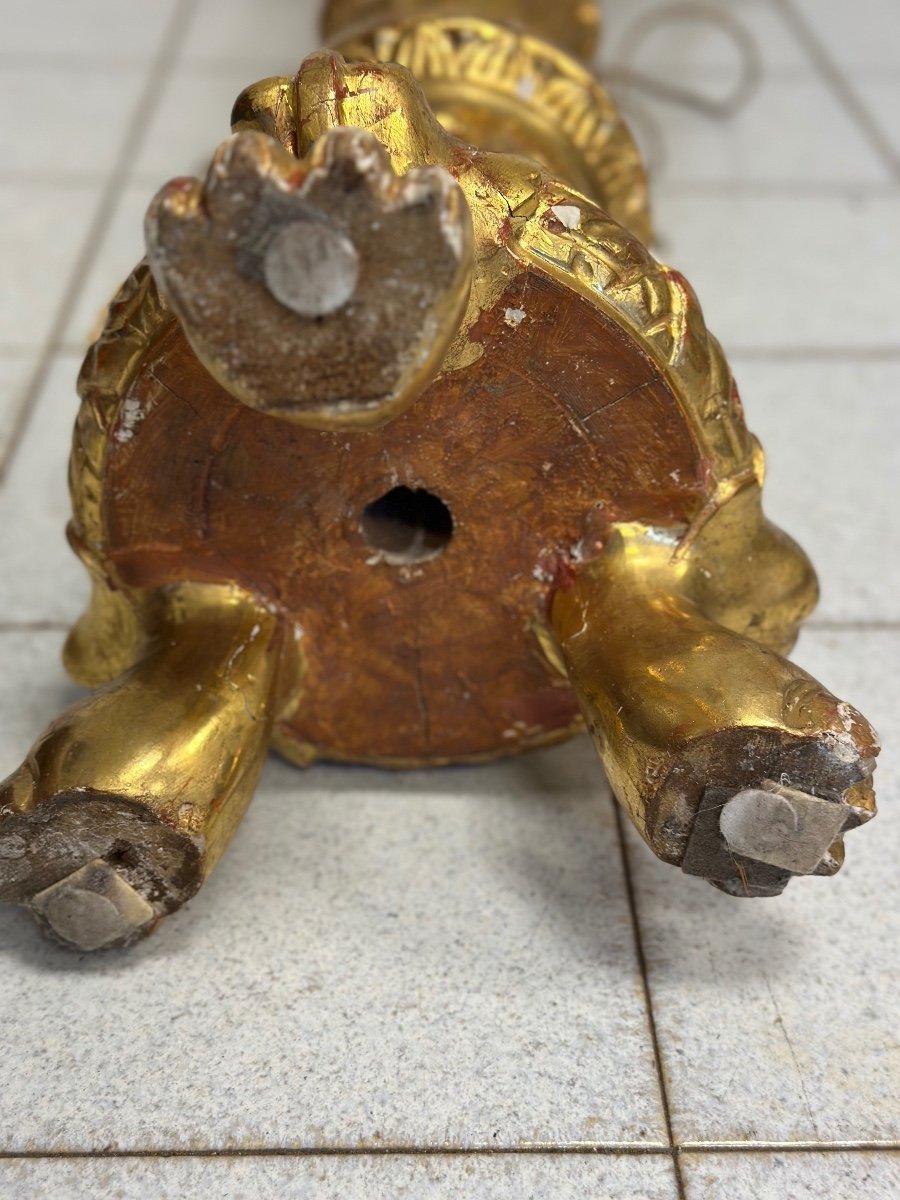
(550, 1149)
(829, 625)
(835, 354)
(648, 999)
(762, 1147)
(783, 189)
(46, 626)
(158, 71)
(841, 87)
(68, 179)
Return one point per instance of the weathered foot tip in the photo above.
(94, 909)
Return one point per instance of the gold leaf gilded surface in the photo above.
(627, 572)
(573, 25)
(521, 218)
(579, 244)
(501, 89)
(137, 316)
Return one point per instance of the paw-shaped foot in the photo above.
(750, 840)
(97, 871)
(325, 291)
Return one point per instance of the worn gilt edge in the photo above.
(595, 256)
(304, 754)
(137, 317)
(538, 78)
(572, 25)
(601, 261)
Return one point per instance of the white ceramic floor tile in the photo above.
(275, 34)
(41, 578)
(16, 371)
(42, 230)
(794, 1176)
(690, 147)
(121, 248)
(434, 958)
(788, 271)
(831, 431)
(882, 99)
(860, 36)
(191, 119)
(446, 958)
(77, 118)
(93, 28)
(357, 1177)
(675, 46)
(778, 1018)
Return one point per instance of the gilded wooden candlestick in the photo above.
(401, 448)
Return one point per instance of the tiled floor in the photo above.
(475, 982)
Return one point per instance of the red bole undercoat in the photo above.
(562, 426)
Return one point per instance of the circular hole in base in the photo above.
(407, 525)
